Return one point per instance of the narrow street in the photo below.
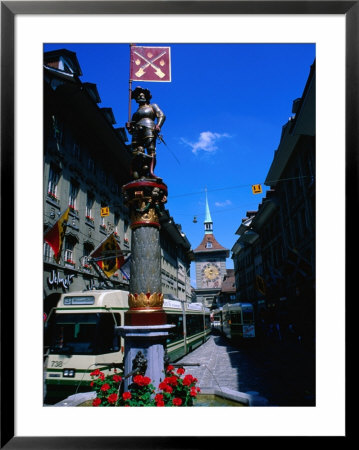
(283, 372)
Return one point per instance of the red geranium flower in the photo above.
(170, 368)
(96, 402)
(160, 403)
(126, 395)
(105, 387)
(193, 393)
(166, 388)
(158, 398)
(95, 373)
(177, 401)
(189, 379)
(117, 378)
(141, 380)
(180, 371)
(112, 398)
(171, 380)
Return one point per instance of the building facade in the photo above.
(86, 163)
(274, 257)
(210, 262)
(228, 289)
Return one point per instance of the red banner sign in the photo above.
(150, 63)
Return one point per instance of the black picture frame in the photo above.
(9, 10)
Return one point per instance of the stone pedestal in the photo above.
(150, 341)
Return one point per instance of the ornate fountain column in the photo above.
(145, 199)
(145, 328)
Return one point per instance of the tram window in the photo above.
(207, 322)
(176, 333)
(73, 333)
(106, 342)
(194, 324)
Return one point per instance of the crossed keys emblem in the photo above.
(149, 62)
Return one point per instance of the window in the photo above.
(176, 333)
(74, 190)
(89, 205)
(48, 252)
(58, 130)
(116, 220)
(86, 253)
(209, 245)
(82, 334)
(69, 251)
(54, 177)
(194, 324)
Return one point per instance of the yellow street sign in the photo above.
(105, 211)
(257, 188)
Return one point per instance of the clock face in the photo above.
(210, 272)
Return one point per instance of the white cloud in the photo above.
(222, 204)
(206, 142)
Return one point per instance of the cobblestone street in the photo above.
(283, 372)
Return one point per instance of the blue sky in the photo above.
(225, 108)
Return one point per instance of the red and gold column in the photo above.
(145, 199)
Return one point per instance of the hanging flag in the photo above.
(55, 236)
(109, 254)
(150, 63)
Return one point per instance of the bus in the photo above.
(238, 321)
(80, 336)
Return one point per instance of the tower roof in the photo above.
(208, 223)
(209, 244)
(208, 218)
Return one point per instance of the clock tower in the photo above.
(210, 261)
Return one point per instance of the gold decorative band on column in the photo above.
(148, 300)
(144, 215)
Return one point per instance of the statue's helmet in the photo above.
(139, 90)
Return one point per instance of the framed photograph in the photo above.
(25, 27)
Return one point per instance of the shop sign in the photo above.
(56, 280)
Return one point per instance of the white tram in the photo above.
(80, 336)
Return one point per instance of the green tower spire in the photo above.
(208, 224)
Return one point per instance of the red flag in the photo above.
(55, 236)
(109, 254)
(150, 63)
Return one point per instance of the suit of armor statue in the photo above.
(144, 131)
